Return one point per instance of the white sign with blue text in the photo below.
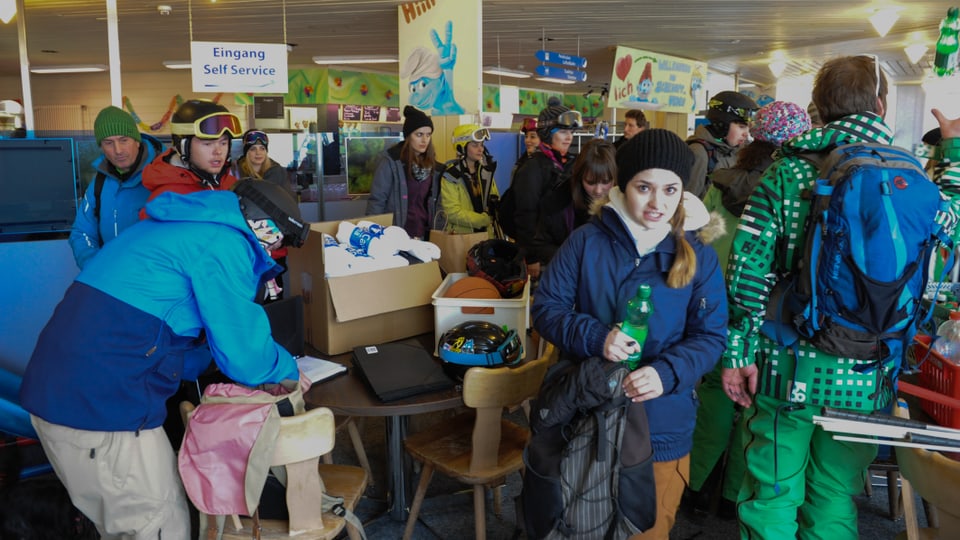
(220, 66)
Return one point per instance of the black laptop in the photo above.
(399, 370)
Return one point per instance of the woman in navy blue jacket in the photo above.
(644, 234)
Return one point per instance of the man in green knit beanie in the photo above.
(115, 195)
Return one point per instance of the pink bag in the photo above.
(228, 445)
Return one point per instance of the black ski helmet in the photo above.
(183, 124)
(729, 107)
(500, 262)
(260, 199)
(478, 343)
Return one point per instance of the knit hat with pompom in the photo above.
(779, 121)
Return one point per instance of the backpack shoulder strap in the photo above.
(711, 152)
(97, 190)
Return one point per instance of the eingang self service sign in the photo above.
(220, 66)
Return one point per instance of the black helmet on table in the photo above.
(729, 107)
(260, 199)
(206, 120)
(478, 343)
(500, 262)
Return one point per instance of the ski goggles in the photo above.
(745, 114)
(212, 126)
(478, 135)
(529, 124)
(567, 120)
(255, 137)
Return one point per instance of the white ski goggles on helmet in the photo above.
(567, 120)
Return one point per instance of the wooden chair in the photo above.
(936, 478)
(479, 447)
(301, 442)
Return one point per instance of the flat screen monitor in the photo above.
(38, 187)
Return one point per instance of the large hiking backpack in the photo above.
(589, 464)
(872, 228)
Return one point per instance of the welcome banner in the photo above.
(654, 81)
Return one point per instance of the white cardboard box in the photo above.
(513, 313)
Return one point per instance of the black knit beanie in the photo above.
(414, 119)
(653, 149)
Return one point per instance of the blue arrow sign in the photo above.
(561, 73)
(577, 62)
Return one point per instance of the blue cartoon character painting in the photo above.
(431, 75)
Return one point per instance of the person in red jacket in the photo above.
(200, 158)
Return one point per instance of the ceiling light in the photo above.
(177, 64)
(8, 8)
(553, 80)
(80, 68)
(915, 52)
(883, 20)
(777, 66)
(323, 60)
(507, 72)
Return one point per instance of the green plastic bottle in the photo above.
(948, 45)
(639, 309)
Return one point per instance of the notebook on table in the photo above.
(399, 370)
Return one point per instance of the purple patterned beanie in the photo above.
(779, 121)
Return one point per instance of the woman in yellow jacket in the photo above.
(468, 183)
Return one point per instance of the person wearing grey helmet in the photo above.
(716, 144)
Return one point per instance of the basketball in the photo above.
(473, 287)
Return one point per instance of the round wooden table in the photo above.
(349, 395)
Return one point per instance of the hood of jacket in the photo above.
(211, 207)
(394, 151)
(151, 148)
(736, 185)
(168, 168)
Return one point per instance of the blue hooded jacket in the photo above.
(147, 312)
(583, 294)
(120, 204)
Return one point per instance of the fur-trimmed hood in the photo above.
(709, 225)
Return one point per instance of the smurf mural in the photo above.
(440, 56)
(646, 80)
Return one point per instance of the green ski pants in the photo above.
(714, 434)
(800, 483)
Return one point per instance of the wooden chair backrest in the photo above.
(937, 479)
(305, 436)
(503, 386)
(301, 437)
(489, 391)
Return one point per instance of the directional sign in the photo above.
(577, 62)
(562, 73)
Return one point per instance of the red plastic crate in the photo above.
(941, 376)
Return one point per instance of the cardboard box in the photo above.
(344, 312)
